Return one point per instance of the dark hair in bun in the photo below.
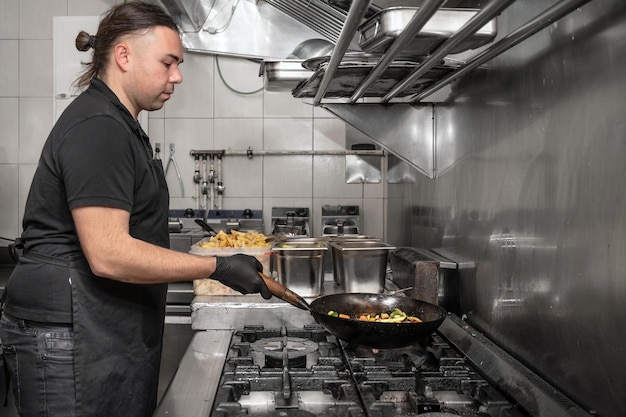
(123, 19)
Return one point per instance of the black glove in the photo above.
(241, 273)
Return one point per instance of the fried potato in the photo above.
(236, 239)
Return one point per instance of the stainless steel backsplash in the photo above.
(533, 196)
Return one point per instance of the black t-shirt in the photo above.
(96, 155)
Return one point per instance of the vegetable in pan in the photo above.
(396, 316)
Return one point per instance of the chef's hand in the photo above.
(241, 273)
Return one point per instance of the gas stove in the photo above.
(281, 367)
(307, 372)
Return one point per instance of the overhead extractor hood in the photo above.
(398, 112)
(253, 29)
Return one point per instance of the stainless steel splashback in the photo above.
(531, 202)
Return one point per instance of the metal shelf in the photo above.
(421, 74)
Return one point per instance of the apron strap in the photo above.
(53, 260)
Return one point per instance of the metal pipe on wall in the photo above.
(197, 179)
(211, 204)
(219, 183)
(205, 183)
(250, 152)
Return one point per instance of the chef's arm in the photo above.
(113, 253)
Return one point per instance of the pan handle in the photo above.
(284, 293)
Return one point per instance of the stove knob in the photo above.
(189, 212)
(247, 213)
(352, 210)
(302, 212)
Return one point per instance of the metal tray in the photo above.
(360, 58)
(379, 31)
(348, 76)
(283, 75)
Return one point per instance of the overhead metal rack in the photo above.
(357, 11)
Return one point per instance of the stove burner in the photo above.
(284, 351)
(411, 357)
(290, 413)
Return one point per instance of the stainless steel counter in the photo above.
(225, 312)
(190, 393)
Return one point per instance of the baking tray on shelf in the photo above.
(379, 31)
(351, 72)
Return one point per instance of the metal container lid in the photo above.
(360, 245)
(300, 245)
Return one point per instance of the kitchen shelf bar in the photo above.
(491, 10)
(419, 19)
(546, 18)
(355, 16)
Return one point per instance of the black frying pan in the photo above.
(372, 334)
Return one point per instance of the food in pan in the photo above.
(236, 239)
(396, 316)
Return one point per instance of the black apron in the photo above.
(118, 335)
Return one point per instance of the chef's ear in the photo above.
(120, 54)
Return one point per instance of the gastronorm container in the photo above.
(300, 265)
(328, 260)
(360, 265)
(284, 74)
(379, 31)
(212, 287)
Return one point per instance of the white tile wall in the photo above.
(9, 206)
(89, 8)
(10, 131)
(33, 81)
(35, 116)
(205, 113)
(35, 17)
(9, 25)
(9, 68)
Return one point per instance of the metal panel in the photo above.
(189, 394)
(402, 129)
(530, 190)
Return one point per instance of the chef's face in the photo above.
(158, 54)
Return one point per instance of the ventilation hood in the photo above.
(399, 113)
(272, 29)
